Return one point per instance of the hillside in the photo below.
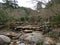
(31, 16)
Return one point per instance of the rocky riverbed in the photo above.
(22, 38)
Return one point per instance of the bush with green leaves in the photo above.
(54, 34)
(3, 17)
(55, 20)
(40, 43)
(30, 19)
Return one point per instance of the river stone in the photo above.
(34, 37)
(58, 43)
(5, 38)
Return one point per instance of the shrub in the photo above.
(40, 43)
(3, 17)
(54, 34)
(55, 20)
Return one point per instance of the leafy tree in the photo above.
(55, 20)
(11, 3)
(52, 3)
(55, 1)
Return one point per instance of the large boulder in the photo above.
(35, 37)
(4, 40)
(32, 37)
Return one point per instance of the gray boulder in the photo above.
(4, 40)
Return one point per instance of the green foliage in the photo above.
(54, 34)
(22, 19)
(10, 3)
(27, 12)
(52, 3)
(49, 5)
(29, 19)
(40, 43)
(3, 17)
(55, 1)
(55, 20)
